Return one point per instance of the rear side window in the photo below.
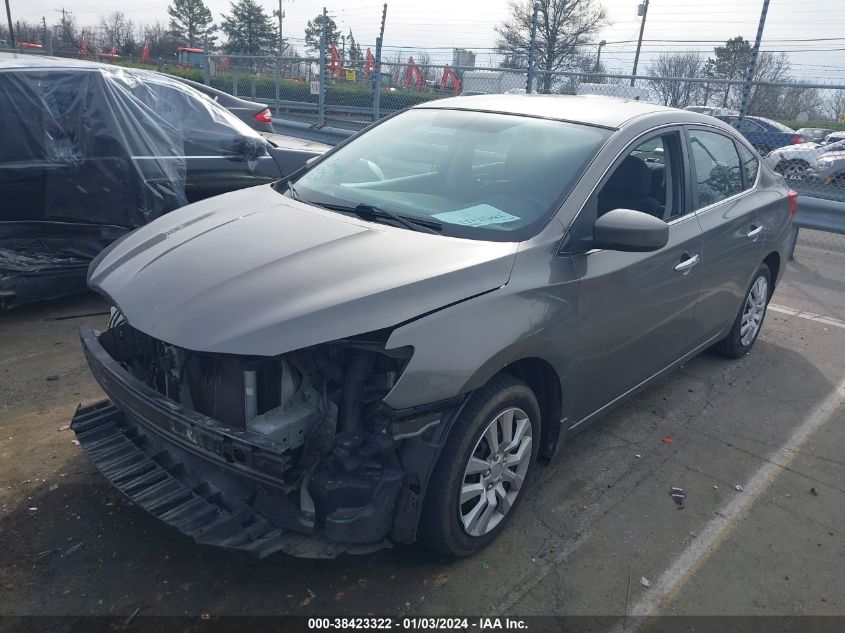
(746, 125)
(718, 173)
(750, 165)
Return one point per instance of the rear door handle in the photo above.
(686, 264)
(755, 232)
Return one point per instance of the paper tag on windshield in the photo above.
(479, 215)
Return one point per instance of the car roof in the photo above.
(609, 112)
(13, 61)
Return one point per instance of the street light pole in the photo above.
(11, 30)
(598, 56)
(644, 8)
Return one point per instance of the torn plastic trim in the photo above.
(248, 453)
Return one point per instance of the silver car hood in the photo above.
(254, 272)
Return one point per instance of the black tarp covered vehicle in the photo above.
(89, 152)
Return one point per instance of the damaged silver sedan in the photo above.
(382, 347)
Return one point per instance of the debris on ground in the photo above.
(66, 427)
(73, 548)
(637, 455)
(667, 440)
(715, 487)
(54, 487)
(739, 488)
(814, 492)
(75, 442)
(645, 582)
(679, 496)
(53, 377)
(485, 565)
(33, 509)
(131, 617)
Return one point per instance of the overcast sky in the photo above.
(439, 25)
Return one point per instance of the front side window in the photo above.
(746, 125)
(468, 174)
(648, 179)
(718, 173)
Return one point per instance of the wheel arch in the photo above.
(542, 378)
(773, 261)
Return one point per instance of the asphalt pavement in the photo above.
(756, 445)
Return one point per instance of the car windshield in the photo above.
(477, 175)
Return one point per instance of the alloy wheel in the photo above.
(495, 472)
(755, 308)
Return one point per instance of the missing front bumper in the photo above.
(226, 487)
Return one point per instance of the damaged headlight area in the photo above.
(277, 449)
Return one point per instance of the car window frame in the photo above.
(591, 201)
(694, 190)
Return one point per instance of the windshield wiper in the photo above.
(370, 212)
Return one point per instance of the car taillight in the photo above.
(797, 138)
(792, 196)
(265, 116)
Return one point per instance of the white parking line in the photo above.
(687, 564)
(802, 314)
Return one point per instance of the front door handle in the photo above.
(686, 264)
(755, 232)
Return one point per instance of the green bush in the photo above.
(830, 125)
(354, 94)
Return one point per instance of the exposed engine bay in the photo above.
(310, 427)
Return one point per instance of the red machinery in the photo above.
(413, 74)
(335, 63)
(370, 64)
(450, 77)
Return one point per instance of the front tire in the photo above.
(483, 469)
(748, 323)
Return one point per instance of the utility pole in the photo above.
(529, 82)
(281, 14)
(65, 33)
(377, 70)
(644, 9)
(11, 30)
(752, 65)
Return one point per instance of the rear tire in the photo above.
(748, 323)
(492, 483)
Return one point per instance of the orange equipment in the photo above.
(450, 77)
(413, 74)
(370, 64)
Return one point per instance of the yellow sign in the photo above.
(350, 75)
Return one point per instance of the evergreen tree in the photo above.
(190, 20)
(249, 29)
(314, 30)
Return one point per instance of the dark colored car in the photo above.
(764, 134)
(255, 115)
(91, 151)
(383, 347)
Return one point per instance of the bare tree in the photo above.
(672, 68)
(118, 32)
(563, 26)
(835, 105)
(162, 41)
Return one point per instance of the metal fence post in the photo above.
(321, 106)
(377, 82)
(529, 83)
(206, 66)
(278, 82)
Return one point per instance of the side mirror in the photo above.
(630, 231)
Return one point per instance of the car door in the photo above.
(636, 310)
(730, 222)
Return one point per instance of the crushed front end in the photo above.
(296, 452)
